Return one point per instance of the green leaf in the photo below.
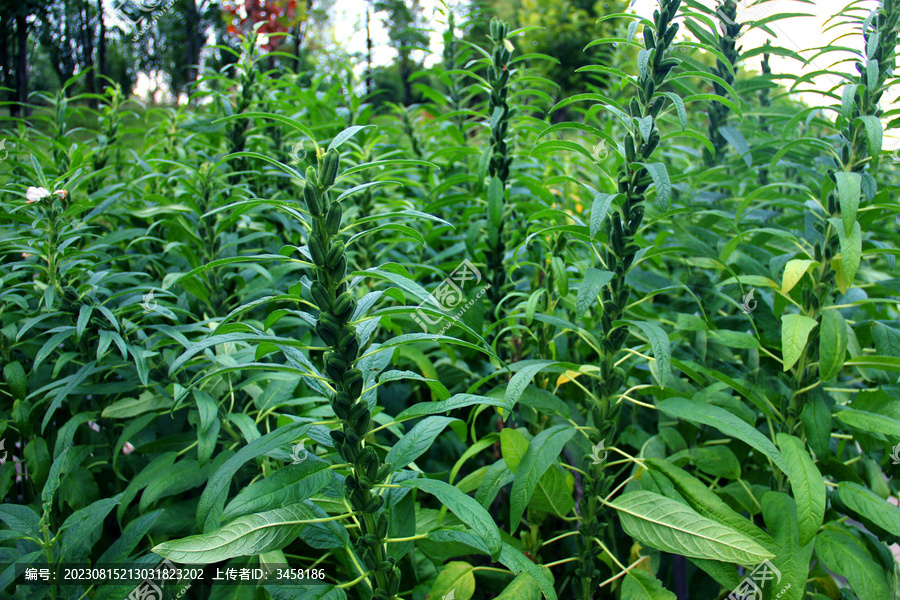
(868, 504)
(456, 581)
(887, 340)
(660, 177)
(560, 276)
(737, 141)
(641, 585)
(15, 377)
(288, 485)
(791, 559)
(833, 340)
(679, 107)
(497, 476)
(885, 363)
(724, 421)
(807, 485)
(212, 500)
(848, 191)
(451, 403)
(794, 271)
(245, 536)
(495, 201)
(841, 553)
(417, 441)
(346, 135)
(517, 562)
(869, 422)
(671, 526)
(662, 352)
(463, 506)
(594, 280)
(851, 254)
(553, 493)
(523, 587)
(795, 330)
(522, 379)
(817, 419)
(599, 209)
(718, 461)
(706, 502)
(541, 454)
(874, 133)
(84, 527)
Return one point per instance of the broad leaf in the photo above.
(670, 526)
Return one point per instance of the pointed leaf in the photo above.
(806, 484)
(795, 330)
(671, 526)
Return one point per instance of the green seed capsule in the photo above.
(317, 251)
(384, 565)
(373, 504)
(327, 328)
(385, 470)
(334, 254)
(344, 306)
(313, 202)
(359, 411)
(330, 168)
(353, 437)
(333, 358)
(311, 177)
(346, 335)
(333, 218)
(320, 296)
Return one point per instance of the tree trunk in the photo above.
(369, 82)
(405, 72)
(21, 62)
(192, 24)
(87, 53)
(297, 35)
(6, 80)
(101, 41)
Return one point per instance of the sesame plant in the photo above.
(304, 341)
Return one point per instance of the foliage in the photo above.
(637, 340)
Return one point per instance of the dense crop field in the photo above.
(638, 341)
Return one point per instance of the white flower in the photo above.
(35, 194)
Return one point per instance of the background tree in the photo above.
(404, 24)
